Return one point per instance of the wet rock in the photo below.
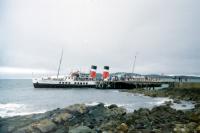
(62, 117)
(163, 108)
(122, 128)
(143, 112)
(140, 126)
(156, 131)
(27, 129)
(81, 129)
(110, 126)
(181, 128)
(44, 126)
(7, 128)
(197, 105)
(98, 113)
(177, 101)
(195, 117)
(168, 103)
(100, 105)
(112, 106)
(61, 130)
(80, 108)
(12, 124)
(191, 126)
(198, 129)
(183, 105)
(107, 132)
(116, 111)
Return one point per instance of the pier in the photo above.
(131, 84)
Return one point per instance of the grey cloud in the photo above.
(164, 33)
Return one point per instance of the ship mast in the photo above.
(60, 63)
(133, 69)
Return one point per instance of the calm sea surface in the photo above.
(19, 97)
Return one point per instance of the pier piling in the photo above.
(129, 84)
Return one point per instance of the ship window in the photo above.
(86, 83)
(69, 83)
(74, 82)
(81, 83)
(77, 82)
(59, 82)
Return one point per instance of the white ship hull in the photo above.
(63, 83)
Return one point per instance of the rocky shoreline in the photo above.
(187, 94)
(80, 118)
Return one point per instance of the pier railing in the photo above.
(130, 84)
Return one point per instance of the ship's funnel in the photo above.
(106, 72)
(93, 70)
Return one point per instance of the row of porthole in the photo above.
(64, 82)
(80, 83)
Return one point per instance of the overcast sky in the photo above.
(166, 35)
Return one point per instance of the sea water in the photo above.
(19, 97)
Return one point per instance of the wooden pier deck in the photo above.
(130, 84)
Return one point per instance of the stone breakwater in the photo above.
(80, 118)
(188, 94)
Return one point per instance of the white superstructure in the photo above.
(73, 80)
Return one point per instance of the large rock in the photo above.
(191, 126)
(97, 110)
(27, 129)
(195, 117)
(122, 128)
(117, 111)
(168, 103)
(177, 101)
(81, 129)
(143, 112)
(198, 129)
(112, 106)
(62, 117)
(44, 126)
(80, 108)
(197, 105)
(4, 128)
(181, 128)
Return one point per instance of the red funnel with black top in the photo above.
(93, 70)
(106, 73)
